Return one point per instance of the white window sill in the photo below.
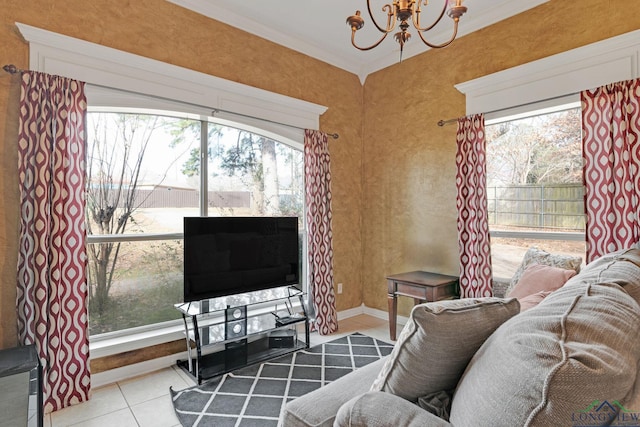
(119, 344)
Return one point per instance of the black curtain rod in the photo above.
(12, 69)
(446, 122)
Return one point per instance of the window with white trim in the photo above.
(547, 82)
(146, 172)
(128, 83)
(534, 185)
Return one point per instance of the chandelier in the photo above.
(405, 11)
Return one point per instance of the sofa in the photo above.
(572, 359)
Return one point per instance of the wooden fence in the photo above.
(553, 206)
(169, 197)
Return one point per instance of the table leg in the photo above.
(393, 308)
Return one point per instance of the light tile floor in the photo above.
(144, 401)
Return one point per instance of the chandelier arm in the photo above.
(416, 17)
(353, 41)
(445, 44)
(391, 22)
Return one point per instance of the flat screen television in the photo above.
(233, 255)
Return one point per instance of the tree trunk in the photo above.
(101, 286)
(270, 176)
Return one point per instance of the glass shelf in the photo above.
(197, 308)
(210, 324)
(255, 325)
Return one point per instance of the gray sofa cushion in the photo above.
(620, 267)
(379, 409)
(437, 343)
(319, 408)
(580, 345)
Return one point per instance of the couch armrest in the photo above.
(319, 408)
(380, 409)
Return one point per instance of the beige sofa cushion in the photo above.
(620, 267)
(579, 345)
(437, 343)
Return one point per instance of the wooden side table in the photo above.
(422, 286)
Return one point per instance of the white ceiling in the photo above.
(318, 27)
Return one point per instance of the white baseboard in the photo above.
(126, 372)
(374, 312)
(352, 312)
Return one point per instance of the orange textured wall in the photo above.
(409, 212)
(166, 32)
(393, 168)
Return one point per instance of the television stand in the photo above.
(239, 330)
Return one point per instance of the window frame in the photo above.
(521, 112)
(203, 210)
(115, 77)
(532, 110)
(553, 80)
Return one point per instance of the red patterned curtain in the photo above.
(471, 201)
(317, 176)
(611, 149)
(52, 289)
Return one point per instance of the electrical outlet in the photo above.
(339, 288)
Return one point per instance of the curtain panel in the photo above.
(317, 176)
(471, 203)
(51, 277)
(611, 151)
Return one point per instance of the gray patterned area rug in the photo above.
(255, 395)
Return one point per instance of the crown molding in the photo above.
(499, 10)
(556, 76)
(106, 67)
(469, 23)
(213, 11)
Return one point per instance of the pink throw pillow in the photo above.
(531, 301)
(538, 277)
